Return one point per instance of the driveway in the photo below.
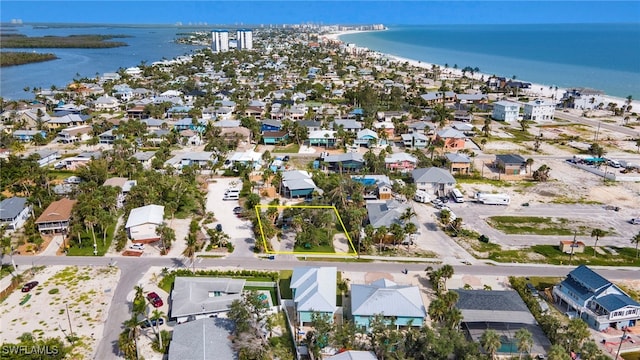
(240, 231)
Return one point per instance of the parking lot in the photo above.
(239, 230)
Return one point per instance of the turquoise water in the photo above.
(600, 56)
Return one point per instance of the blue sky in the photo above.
(322, 11)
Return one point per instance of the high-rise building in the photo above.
(219, 40)
(245, 39)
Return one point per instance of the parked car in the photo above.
(137, 247)
(437, 203)
(444, 199)
(635, 221)
(237, 210)
(153, 322)
(154, 299)
(285, 158)
(30, 285)
(219, 227)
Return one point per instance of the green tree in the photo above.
(525, 340)
(490, 342)
(577, 331)
(636, 240)
(557, 352)
(190, 250)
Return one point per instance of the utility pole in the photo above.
(70, 328)
(624, 335)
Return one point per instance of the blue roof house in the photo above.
(188, 124)
(14, 212)
(270, 125)
(366, 137)
(596, 300)
(399, 303)
(314, 291)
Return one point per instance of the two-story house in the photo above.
(505, 111)
(596, 300)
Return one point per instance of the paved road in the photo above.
(595, 123)
(133, 268)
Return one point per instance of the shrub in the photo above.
(54, 291)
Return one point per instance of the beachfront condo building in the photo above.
(539, 110)
(244, 38)
(505, 111)
(219, 40)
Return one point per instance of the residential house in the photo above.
(254, 111)
(354, 355)
(314, 291)
(203, 159)
(326, 138)
(270, 125)
(190, 138)
(297, 184)
(512, 164)
(505, 111)
(596, 300)
(452, 139)
(227, 124)
(14, 211)
(142, 223)
(275, 137)
(462, 115)
(28, 135)
(67, 121)
(194, 298)
(466, 128)
(401, 162)
(400, 304)
(583, 98)
(572, 247)
(108, 137)
(433, 180)
(82, 159)
(366, 137)
(388, 116)
(386, 212)
(458, 163)
(75, 134)
(504, 312)
(472, 98)
(383, 190)
(385, 128)
(421, 127)
(125, 186)
(188, 123)
(415, 140)
(56, 217)
(204, 339)
(248, 158)
(349, 162)
(46, 157)
(539, 110)
(235, 135)
(145, 158)
(106, 102)
(348, 125)
(438, 97)
(136, 112)
(311, 125)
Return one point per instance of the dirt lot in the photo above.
(85, 291)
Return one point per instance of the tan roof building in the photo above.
(56, 217)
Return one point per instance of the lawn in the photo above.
(285, 284)
(289, 149)
(530, 225)
(553, 255)
(87, 243)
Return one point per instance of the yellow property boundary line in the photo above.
(258, 208)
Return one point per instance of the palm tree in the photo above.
(486, 129)
(132, 333)
(490, 341)
(529, 164)
(156, 315)
(139, 302)
(525, 340)
(446, 272)
(597, 233)
(437, 310)
(190, 250)
(636, 240)
(557, 352)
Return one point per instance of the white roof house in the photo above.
(202, 296)
(314, 290)
(143, 221)
(401, 302)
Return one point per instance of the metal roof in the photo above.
(613, 302)
(385, 212)
(395, 157)
(493, 306)
(354, 355)
(432, 175)
(150, 214)
(12, 207)
(206, 339)
(314, 288)
(203, 295)
(388, 298)
(588, 278)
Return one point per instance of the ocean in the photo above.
(147, 43)
(599, 56)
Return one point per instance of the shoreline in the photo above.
(536, 90)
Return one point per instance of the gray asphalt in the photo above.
(132, 270)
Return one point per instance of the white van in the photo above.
(614, 163)
(231, 196)
(635, 221)
(457, 196)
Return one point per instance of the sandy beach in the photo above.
(536, 90)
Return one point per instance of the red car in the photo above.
(154, 299)
(30, 285)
